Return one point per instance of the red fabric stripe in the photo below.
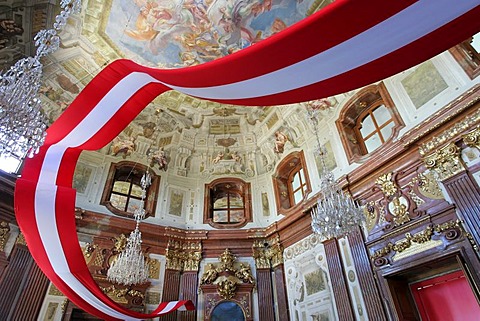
(328, 27)
(27, 223)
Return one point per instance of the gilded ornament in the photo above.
(88, 250)
(445, 162)
(209, 275)
(452, 132)
(119, 243)
(418, 238)
(386, 184)
(369, 211)
(399, 211)
(4, 234)
(226, 288)
(245, 274)
(21, 239)
(153, 268)
(472, 139)
(428, 185)
(227, 259)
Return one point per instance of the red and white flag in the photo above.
(346, 45)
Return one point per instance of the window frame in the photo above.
(354, 111)
(467, 57)
(139, 169)
(227, 186)
(378, 129)
(283, 182)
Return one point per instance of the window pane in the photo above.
(236, 216)
(373, 143)
(298, 196)
(133, 204)
(221, 203)
(220, 217)
(236, 201)
(302, 176)
(296, 181)
(9, 164)
(382, 115)
(367, 126)
(118, 201)
(136, 191)
(476, 42)
(121, 187)
(387, 131)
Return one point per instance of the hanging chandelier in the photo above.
(130, 267)
(336, 214)
(22, 122)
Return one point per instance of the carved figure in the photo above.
(209, 275)
(244, 273)
(125, 147)
(160, 159)
(218, 158)
(236, 157)
(280, 141)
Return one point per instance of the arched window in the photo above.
(368, 121)
(228, 203)
(291, 182)
(123, 192)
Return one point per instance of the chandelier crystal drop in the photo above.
(336, 214)
(130, 267)
(22, 122)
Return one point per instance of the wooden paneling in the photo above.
(465, 193)
(188, 291)
(339, 285)
(280, 288)
(13, 280)
(32, 295)
(371, 295)
(171, 289)
(265, 295)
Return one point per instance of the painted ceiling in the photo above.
(178, 33)
(173, 34)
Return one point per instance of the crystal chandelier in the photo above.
(130, 267)
(336, 214)
(22, 122)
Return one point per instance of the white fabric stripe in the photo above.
(408, 25)
(45, 195)
(170, 306)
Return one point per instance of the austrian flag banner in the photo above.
(346, 45)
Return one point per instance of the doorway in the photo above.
(447, 297)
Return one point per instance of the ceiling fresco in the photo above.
(196, 138)
(181, 33)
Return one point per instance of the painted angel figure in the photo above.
(280, 141)
(159, 158)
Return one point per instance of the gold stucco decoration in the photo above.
(386, 184)
(4, 234)
(445, 162)
(227, 274)
(472, 139)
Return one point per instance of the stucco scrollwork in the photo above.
(445, 162)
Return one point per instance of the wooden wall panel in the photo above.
(370, 292)
(280, 288)
(13, 279)
(31, 298)
(339, 284)
(171, 289)
(188, 291)
(265, 295)
(465, 194)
